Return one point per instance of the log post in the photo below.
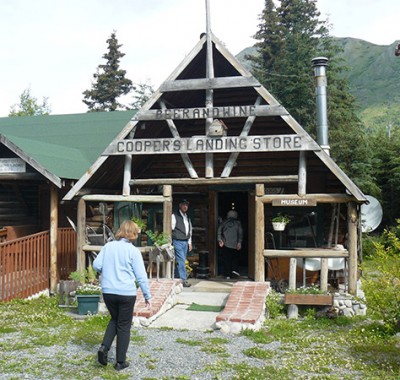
(81, 235)
(209, 92)
(324, 275)
(126, 189)
(53, 239)
(293, 310)
(352, 219)
(302, 174)
(167, 222)
(212, 232)
(259, 262)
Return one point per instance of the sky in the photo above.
(53, 47)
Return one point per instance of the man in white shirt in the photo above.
(182, 239)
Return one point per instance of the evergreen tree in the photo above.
(385, 150)
(269, 48)
(288, 38)
(29, 106)
(109, 81)
(350, 145)
(290, 35)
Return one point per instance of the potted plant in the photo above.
(308, 295)
(142, 228)
(158, 238)
(88, 292)
(162, 252)
(280, 221)
(140, 223)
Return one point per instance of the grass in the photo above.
(309, 348)
(197, 307)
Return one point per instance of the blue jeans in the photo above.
(181, 248)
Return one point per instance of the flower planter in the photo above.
(88, 303)
(278, 226)
(308, 299)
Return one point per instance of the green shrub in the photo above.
(158, 238)
(274, 304)
(382, 285)
(85, 276)
(368, 245)
(391, 239)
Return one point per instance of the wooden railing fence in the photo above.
(25, 263)
(66, 252)
(3, 234)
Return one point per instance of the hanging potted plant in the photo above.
(280, 221)
(88, 292)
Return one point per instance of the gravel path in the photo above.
(153, 354)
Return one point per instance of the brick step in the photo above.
(245, 307)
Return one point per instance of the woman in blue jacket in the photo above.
(121, 266)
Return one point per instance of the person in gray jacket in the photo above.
(230, 237)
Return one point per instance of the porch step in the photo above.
(245, 307)
(163, 298)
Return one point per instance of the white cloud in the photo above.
(369, 20)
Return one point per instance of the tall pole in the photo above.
(209, 92)
(53, 238)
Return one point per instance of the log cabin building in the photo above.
(214, 135)
(41, 158)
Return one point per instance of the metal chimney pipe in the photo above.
(319, 65)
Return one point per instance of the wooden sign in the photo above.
(12, 165)
(294, 202)
(213, 112)
(204, 144)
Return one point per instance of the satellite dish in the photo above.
(371, 214)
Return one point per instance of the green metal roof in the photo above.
(64, 145)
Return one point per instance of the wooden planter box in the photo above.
(88, 304)
(308, 299)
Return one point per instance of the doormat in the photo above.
(197, 307)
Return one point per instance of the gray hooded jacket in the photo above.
(230, 232)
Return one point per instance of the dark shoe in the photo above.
(102, 354)
(121, 366)
(186, 284)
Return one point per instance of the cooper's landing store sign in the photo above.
(203, 144)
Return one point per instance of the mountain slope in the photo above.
(374, 71)
(374, 78)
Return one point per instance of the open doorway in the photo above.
(238, 201)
